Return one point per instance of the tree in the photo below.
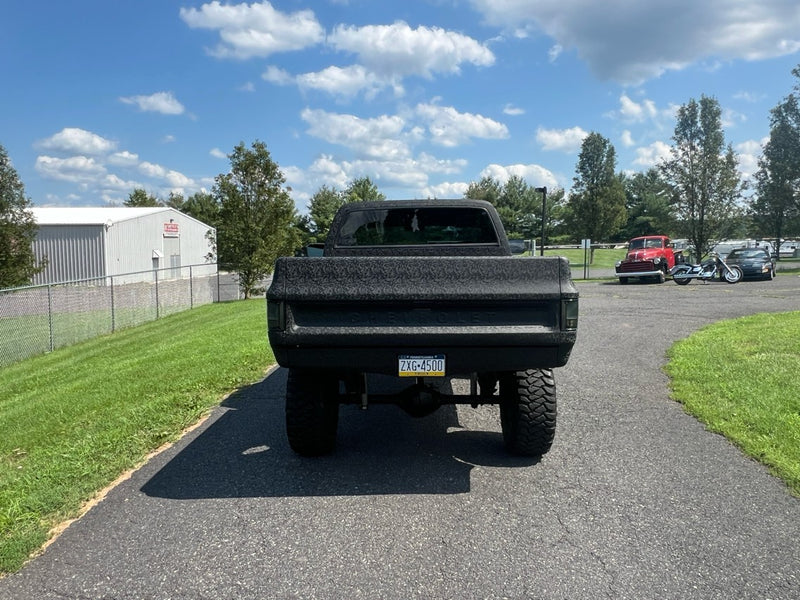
(518, 204)
(520, 207)
(648, 204)
(17, 229)
(256, 216)
(704, 176)
(596, 205)
(488, 189)
(139, 197)
(175, 200)
(203, 207)
(776, 207)
(322, 208)
(362, 189)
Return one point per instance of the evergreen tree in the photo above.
(596, 205)
(17, 229)
(322, 208)
(139, 197)
(649, 205)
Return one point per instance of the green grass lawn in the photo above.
(604, 258)
(740, 379)
(73, 420)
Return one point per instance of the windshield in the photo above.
(640, 243)
(417, 226)
(747, 253)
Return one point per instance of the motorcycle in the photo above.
(706, 271)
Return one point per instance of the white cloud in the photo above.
(637, 112)
(160, 102)
(749, 152)
(123, 159)
(554, 52)
(650, 156)
(627, 139)
(173, 179)
(254, 30)
(277, 76)
(397, 50)
(217, 153)
(750, 97)
(380, 137)
(89, 162)
(514, 111)
(731, 118)
(345, 81)
(75, 169)
(72, 140)
(116, 183)
(563, 140)
(450, 128)
(386, 54)
(631, 42)
(431, 164)
(534, 175)
(403, 173)
(446, 190)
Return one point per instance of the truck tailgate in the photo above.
(497, 313)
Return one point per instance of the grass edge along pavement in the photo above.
(739, 378)
(73, 420)
(113, 404)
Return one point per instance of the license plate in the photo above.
(421, 366)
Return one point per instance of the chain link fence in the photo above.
(39, 319)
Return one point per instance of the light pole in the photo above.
(543, 190)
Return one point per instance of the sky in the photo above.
(99, 97)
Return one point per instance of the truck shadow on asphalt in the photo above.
(242, 452)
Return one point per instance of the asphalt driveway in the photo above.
(635, 500)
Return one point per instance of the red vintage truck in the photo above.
(649, 257)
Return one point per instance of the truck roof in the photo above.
(412, 203)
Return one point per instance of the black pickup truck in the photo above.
(421, 290)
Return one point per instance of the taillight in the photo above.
(569, 314)
(276, 315)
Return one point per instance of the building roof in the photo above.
(92, 215)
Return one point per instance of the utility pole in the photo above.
(543, 191)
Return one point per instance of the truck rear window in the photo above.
(417, 226)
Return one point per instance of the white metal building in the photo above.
(82, 243)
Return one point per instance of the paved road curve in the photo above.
(636, 499)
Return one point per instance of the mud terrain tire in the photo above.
(528, 411)
(312, 412)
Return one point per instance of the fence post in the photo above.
(113, 315)
(191, 288)
(155, 274)
(50, 315)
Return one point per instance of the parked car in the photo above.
(754, 262)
